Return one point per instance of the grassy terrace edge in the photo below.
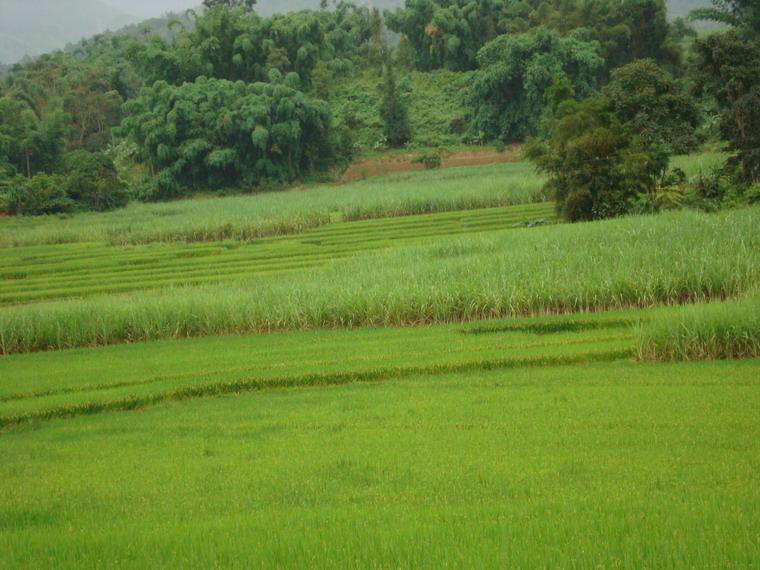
(309, 380)
(729, 330)
(278, 213)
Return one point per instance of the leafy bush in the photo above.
(42, 194)
(429, 160)
(92, 181)
(658, 108)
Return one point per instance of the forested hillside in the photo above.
(227, 99)
(32, 28)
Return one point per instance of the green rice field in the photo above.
(523, 443)
(81, 269)
(456, 382)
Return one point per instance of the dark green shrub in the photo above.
(430, 160)
(658, 108)
(579, 205)
(42, 194)
(458, 125)
(92, 181)
(752, 195)
(596, 166)
(393, 112)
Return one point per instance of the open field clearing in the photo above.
(490, 439)
(287, 212)
(632, 262)
(521, 443)
(56, 271)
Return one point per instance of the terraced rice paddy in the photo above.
(292, 212)
(104, 379)
(287, 212)
(56, 271)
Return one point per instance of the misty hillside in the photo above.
(33, 27)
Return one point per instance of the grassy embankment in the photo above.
(704, 332)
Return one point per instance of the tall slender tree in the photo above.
(393, 112)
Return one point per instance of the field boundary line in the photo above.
(304, 381)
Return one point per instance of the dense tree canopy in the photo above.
(595, 166)
(449, 33)
(238, 45)
(509, 93)
(213, 133)
(729, 72)
(658, 108)
(225, 97)
(29, 144)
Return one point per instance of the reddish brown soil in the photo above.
(380, 166)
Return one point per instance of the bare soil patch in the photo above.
(381, 166)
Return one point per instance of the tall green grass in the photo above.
(34, 273)
(634, 262)
(704, 332)
(286, 212)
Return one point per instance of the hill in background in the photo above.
(33, 27)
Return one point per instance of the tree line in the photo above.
(604, 91)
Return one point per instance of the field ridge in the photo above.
(303, 381)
